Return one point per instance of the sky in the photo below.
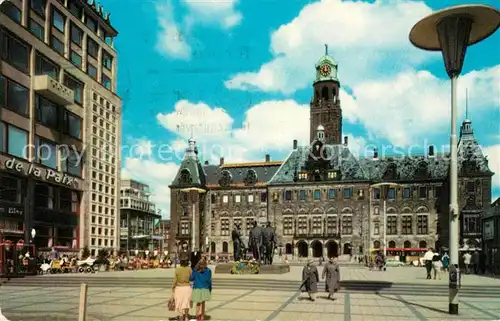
(237, 76)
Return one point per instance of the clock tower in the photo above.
(325, 104)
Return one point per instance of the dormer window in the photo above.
(332, 175)
(303, 176)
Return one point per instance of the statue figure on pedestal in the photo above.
(237, 243)
(269, 243)
(255, 241)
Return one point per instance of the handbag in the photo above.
(171, 304)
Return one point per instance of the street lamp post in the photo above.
(450, 31)
(193, 191)
(384, 213)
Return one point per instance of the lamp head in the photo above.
(33, 233)
(452, 29)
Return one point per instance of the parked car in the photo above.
(393, 263)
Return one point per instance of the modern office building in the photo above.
(138, 218)
(60, 124)
(322, 200)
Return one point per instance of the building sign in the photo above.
(30, 169)
(488, 230)
(11, 211)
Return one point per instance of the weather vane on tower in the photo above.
(326, 49)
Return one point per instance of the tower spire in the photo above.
(326, 49)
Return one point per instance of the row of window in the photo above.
(99, 220)
(100, 209)
(406, 223)
(15, 97)
(101, 231)
(423, 192)
(100, 242)
(59, 198)
(14, 140)
(100, 198)
(58, 23)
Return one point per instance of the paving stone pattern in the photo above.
(147, 304)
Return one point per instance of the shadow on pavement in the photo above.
(355, 285)
(411, 303)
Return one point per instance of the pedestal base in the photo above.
(453, 308)
(244, 268)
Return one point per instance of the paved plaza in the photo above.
(119, 302)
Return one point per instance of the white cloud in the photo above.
(268, 127)
(353, 29)
(220, 12)
(157, 175)
(174, 38)
(412, 104)
(493, 154)
(171, 40)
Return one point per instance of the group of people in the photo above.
(191, 285)
(436, 262)
(310, 278)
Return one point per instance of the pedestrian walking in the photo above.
(181, 288)
(437, 265)
(467, 259)
(446, 262)
(331, 275)
(202, 288)
(310, 278)
(428, 256)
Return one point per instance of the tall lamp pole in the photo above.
(193, 191)
(450, 31)
(384, 195)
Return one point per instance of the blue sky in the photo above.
(238, 76)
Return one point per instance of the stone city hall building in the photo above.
(321, 198)
(58, 73)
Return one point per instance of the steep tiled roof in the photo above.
(471, 161)
(470, 155)
(341, 159)
(239, 173)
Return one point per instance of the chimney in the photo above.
(294, 144)
(206, 162)
(268, 158)
(346, 142)
(431, 150)
(375, 153)
(221, 161)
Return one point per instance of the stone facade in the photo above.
(324, 201)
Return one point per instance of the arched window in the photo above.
(324, 93)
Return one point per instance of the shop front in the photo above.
(39, 206)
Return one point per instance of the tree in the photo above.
(85, 252)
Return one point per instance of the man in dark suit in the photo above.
(195, 258)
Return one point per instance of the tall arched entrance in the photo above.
(212, 247)
(288, 249)
(302, 248)
(317, 248)
(332, 249)
(407, 245)
(347, 249)
(225, 247)
(422, 244)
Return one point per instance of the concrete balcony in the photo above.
(54, 90)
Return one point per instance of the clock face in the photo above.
(325, 70)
